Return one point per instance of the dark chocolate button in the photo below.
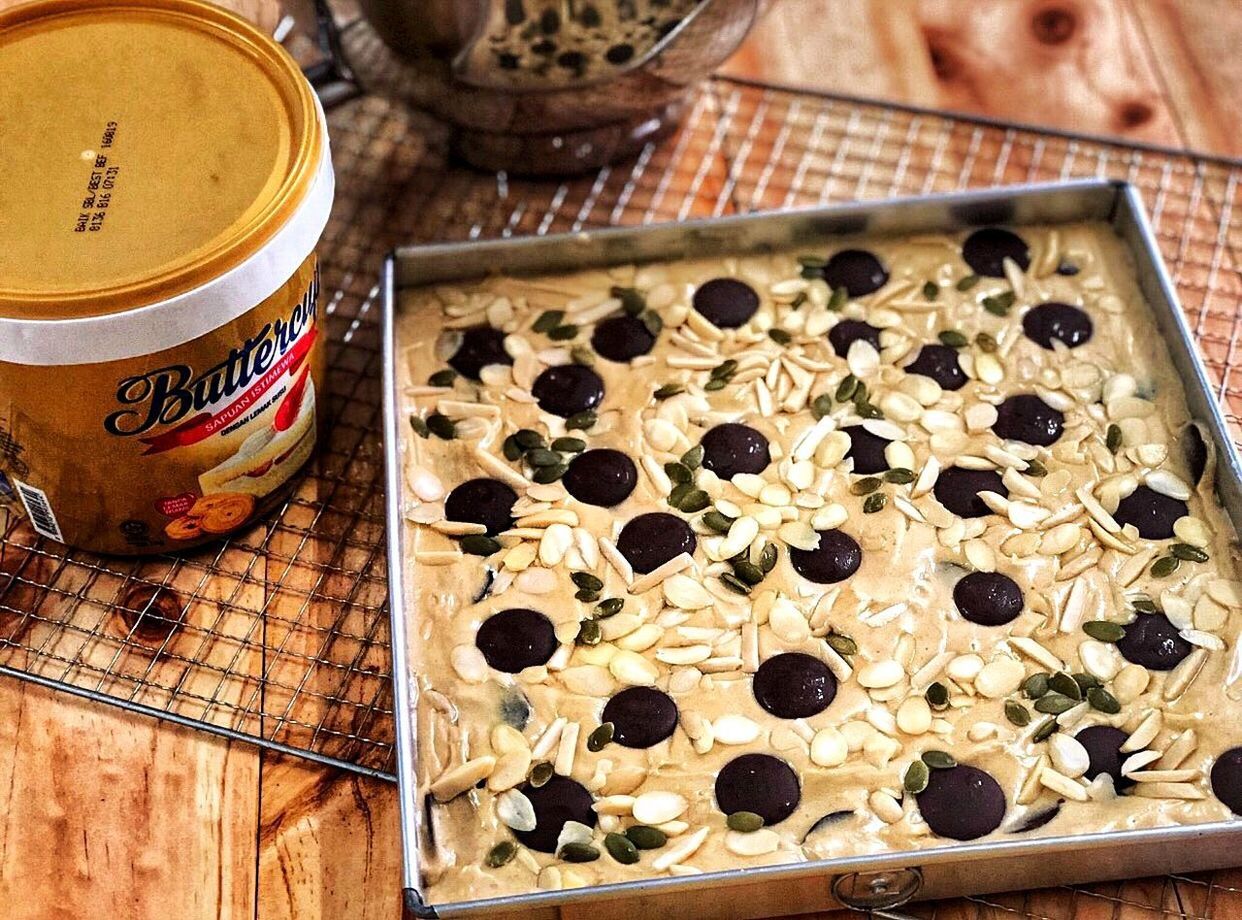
(480, 346)
(939, 362)
(1152, 513)
(958, 490)
(622, 338)
(837, 557)
(962, 803)
(986, 250)
(726, 302)
(1194, 449)
(558, 800)
(482, 501)
(848, 331)
(856, 270)
(1060, 321)
(1103, 744)
(1155, 643)
(1028, 418)
(988, 598)
(794, 686)
(866, 449)
(602, 477)
(650, 540)
(1034, 820)
(730, 449)
(1227, 779)
(568, 389)
(758, 783)
(516, 639)
(641, 717)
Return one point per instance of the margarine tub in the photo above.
(166, 177)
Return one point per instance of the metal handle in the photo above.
(878, 892)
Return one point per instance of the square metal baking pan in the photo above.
(881, 881)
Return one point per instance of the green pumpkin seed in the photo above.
(860, 394)
(600, 738)
(799, 299)
(1188, 553)
(589, 633)
(610, 607)
(847, 388)
(694, 501)
(780, 336)
(587, 596)
(1144, 605)
(652, 321)
(563, 333)
(501, 854)
(540, 773)
(841, 644)
(1086, 681)
(680, 491)
(717, 521)
(1018, 714)
(916, 778)
(1035, 686)
(966, 283)
(724, 370)
(899, 475)
(821, 405)
(580, 421)
(587, 580)
(621, 848)
(511, 449)
(866, 410)
(693, 458)
(646, 838)
(1064, 684)
(931, 290)
(866, 485)
(1036, 469)
(548, 320)
(1103, 701)
(546, 474)
(678, 472)
(986, 342)
(1112, 439)
(875, 502)
(579, 853)
(442, 378)
(1104, 631)
(569, 445)
(818, 262)
(1054, 704)
(441, 426)
(528, 439)
(542, 457)
(953, 339)
(748, 572)
(1045, 730)
(840, 296)
(715, 384)
(937, 695)
(810, 274)
(1165, 566)
(768, 557)
(632, 301)
(998, 305)
(477, 544)
(420, 426)
(734, 584)
(744, 822)
(669, 390)
(939, 760)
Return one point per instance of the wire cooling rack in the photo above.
(281, 634)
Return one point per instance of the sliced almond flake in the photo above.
(644, 583)
(609, 551)
(1182, 747)
(1184, 791)
(1184, 674)
(721, 665)
(680, 850)
(882, 616)
(1144, 733)
(1080, 563)
(1203, 639)
(1135, 566)
(1030, 789)
(1111, 540)
(1137, 761)
(1036, 652)
(1075, 609)
(500, 469)
(1096, 510)
(1062, 785)
(437, 556)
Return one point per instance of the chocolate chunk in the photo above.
(482, 501)
(1060, 321)
(480, 346)
(516, 639)
(1194, 449)
(730, 449)
(856, 270)
(958, 490)
(726, 302)
(988, 598)
(962, 803)
(641, 717)
(986, 250)
(1155, 643)
(866, 449)
(848, 331)
(1227, 779)
(1152, 513)
(1103, 744)
(568, 389)
(837, 557)
(940, 363)
(1034, 820)
(827, 822)
(1028, 418)
(602, 477)
(794, 686)
(650, 540)
(622, 338)
(761, 784)
(558, 800)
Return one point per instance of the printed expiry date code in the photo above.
(100, 184)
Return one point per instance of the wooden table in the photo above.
(104, 814)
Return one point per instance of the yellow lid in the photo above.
(149, 146)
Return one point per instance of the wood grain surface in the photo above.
(104, 814)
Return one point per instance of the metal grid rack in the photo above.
(282, 634)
